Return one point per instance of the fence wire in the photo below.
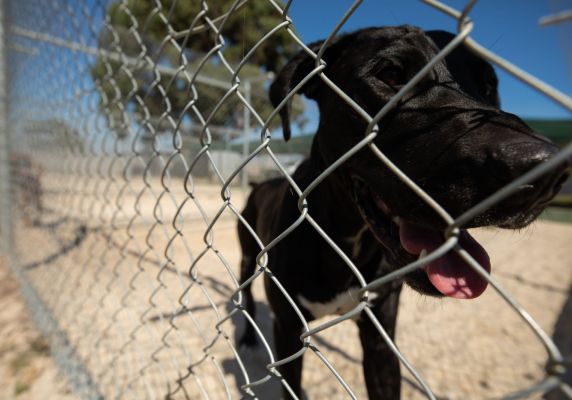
(122, 204)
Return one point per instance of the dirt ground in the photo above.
(118, 283)
(27, 372)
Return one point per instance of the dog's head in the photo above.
(448, 135)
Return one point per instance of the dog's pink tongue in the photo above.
(450, 274)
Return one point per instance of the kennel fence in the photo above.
(122, 260)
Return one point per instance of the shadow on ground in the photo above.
(563, 339)
(255, 359)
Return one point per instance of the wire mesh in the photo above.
(125, 202)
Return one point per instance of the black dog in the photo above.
(448, 135)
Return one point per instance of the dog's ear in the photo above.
(292, 74)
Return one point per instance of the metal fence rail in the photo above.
(120, 219)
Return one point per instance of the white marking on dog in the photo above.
(342, 303)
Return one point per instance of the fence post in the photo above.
(6, 239)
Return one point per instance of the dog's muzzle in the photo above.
(405, 241)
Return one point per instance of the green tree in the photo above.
(138, 28)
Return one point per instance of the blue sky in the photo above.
(507, 27)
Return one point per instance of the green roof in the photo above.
(557, 130)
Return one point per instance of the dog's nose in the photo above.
(508, 161)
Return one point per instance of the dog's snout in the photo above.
(509, 161)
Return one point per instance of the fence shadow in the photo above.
(256, 359)
(563, 339)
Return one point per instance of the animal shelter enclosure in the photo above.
(131, 132)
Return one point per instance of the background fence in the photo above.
(126, 130)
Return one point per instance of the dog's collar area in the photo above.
(377, 215)
(406, 241)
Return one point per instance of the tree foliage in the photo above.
(139, 29)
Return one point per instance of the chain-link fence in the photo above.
(132, 130)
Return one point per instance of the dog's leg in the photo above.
(247, 267)
(380, 365)
(287, 342)
(249, 249)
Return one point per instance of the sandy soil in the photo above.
(26, 369)
(117, 283)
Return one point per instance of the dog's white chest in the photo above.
(342, 303)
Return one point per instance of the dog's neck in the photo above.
(341, 212)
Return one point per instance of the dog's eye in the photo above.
(392, 76)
